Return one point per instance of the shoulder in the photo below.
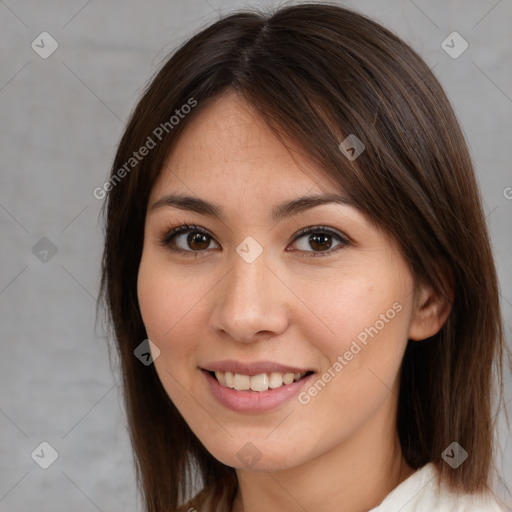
(421, 493)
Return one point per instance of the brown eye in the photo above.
(198, 241)
(320, 239)
(187, 239)
(193, 239)
(320, 242)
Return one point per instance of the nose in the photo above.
(250, 301)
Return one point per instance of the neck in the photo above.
(358, 474)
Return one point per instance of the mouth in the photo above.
(257, 393)
(256, 383)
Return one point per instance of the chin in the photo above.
(258, 456)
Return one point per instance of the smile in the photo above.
(254, 393)
(258, 383)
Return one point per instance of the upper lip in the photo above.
(254, 368)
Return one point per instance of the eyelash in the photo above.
(168, 236)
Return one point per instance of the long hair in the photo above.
(317, 73)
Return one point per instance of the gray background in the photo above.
(61, 119)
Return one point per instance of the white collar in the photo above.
(420, 492)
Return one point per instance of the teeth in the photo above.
(221, 378)
(229, 380)
(276, 380)
(260, 382)
(242, 382)
(288, 378)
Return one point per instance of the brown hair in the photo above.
(317, 73)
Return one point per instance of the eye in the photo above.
(195, 237)
(191, 239)
(320, 237)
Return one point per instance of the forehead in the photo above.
(228, 147)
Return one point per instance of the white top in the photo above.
(420, 493)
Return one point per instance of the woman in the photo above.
(299, 276)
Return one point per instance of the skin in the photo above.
(341, 447)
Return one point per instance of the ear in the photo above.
(431, 311)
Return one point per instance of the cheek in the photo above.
(170, 307)
(153, 301)
(349, 304)
(164, 315)
(363, 334)
(162, 295)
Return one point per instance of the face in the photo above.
(245, 292)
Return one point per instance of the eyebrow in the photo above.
(286, 209)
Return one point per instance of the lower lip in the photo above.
(254, 401)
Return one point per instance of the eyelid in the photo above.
(172, 233)
(324, 229)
